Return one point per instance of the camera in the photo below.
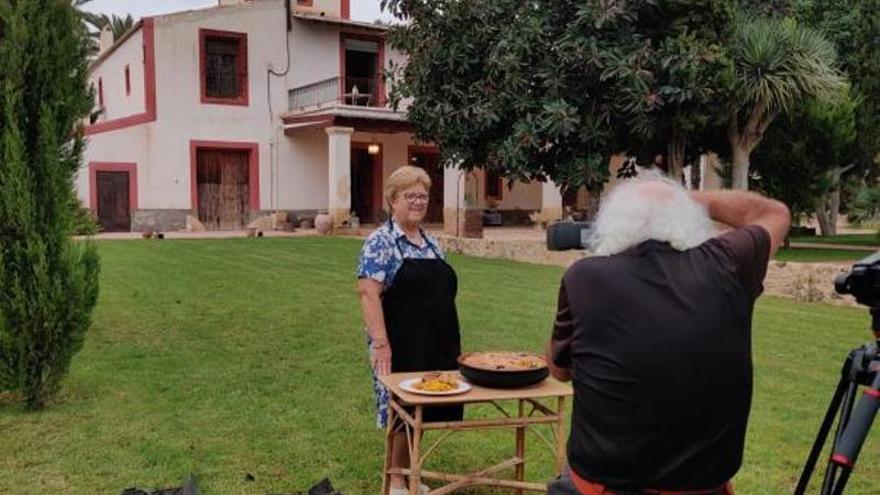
(562, 236)
(863, 281)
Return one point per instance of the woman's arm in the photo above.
(370, 292)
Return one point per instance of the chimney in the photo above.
(106, 40)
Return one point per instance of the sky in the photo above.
(361, 10)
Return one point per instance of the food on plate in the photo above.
(437, 382)
(505, 361)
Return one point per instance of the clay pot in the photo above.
(324, 223)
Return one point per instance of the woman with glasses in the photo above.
(407, 295)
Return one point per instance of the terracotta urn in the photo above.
(324, 223)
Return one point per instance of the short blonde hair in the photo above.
(404, 178)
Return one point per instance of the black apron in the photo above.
(422, 322)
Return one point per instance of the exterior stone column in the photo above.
(339, 173)
(551, 202)
(710, 180)
(453, 199)
(460, 219)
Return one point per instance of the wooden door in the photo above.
(114, 212)
(222, 181)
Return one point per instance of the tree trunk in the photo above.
(740, 166)
(823, 216)
(829, 205)
(743, 140)
(834, 209)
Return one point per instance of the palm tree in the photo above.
(118, 25)
(777, 63)
(94, 23)
(88, 20)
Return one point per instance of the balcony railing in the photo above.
(358, 91)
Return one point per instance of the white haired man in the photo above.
(655, 333)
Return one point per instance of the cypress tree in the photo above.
(48, 282)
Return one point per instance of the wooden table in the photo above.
(531, 411)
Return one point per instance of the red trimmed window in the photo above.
(224, 67)
(494, 186)
(127, 80)
(100, 92)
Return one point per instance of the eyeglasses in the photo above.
(411, 197)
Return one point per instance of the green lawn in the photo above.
(816, 255)
(849, 239)
(224, 358)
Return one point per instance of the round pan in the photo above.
(501, 378)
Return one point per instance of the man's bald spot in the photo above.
(655, 191)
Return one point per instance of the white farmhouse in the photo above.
(252, 107)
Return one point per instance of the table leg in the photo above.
(415, 457)
(560, 435)
(389, 447)
(520, 469)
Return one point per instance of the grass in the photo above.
(235, 357)
(819, 255)
(871, 240)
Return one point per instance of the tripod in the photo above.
(862, 367)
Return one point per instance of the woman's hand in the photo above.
(380, 357)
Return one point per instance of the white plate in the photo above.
(408, 385)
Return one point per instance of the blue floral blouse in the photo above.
(380, 258)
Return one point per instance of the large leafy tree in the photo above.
(770, 8)
(48, 282)
(515, 86)
(847, 23)
(865, 72)
(778, 63)
(803, 156)
(552, 89)
(838, 20)
(686, 71)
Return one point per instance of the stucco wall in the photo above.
(524, 196)
(329, 8)
(112, 72)
(314, 53)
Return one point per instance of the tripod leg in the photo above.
(846, 410)
(846, 451)
(821, 437)
(841, 482)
